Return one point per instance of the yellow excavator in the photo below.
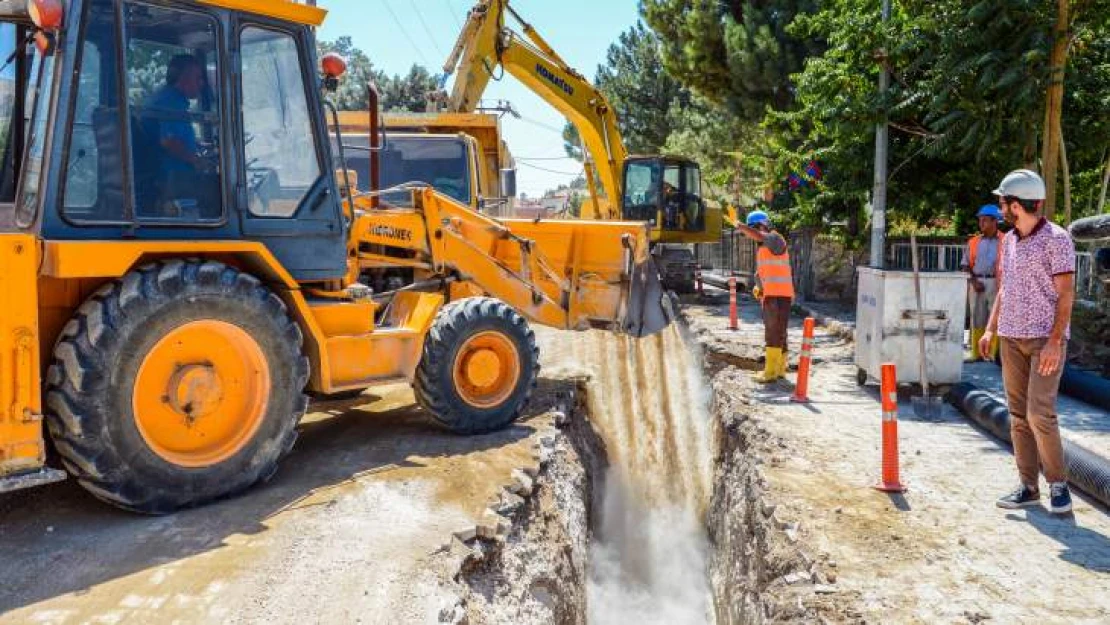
(665, 191)
(180, 254)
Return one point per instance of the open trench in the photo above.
(647, 505)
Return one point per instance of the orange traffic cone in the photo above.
(891, 481)
(801, 388)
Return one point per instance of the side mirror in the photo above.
(508, 182)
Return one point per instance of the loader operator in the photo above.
(181, 169)
(775, 290)
(980, 261)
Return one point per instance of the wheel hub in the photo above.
(483, 367)
(487, 369)
(195, 390)
(201, 393)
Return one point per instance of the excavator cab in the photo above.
(665, 191)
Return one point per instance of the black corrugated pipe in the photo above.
(1086, 387)
(1086, 470)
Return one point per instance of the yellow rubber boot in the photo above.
(770, 366)
(784, 362)
(976, 334)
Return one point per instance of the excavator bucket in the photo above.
(650, 308)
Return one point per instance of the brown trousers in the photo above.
(776, 319)
(1032, 403)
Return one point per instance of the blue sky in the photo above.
(398, 33)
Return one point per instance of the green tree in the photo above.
(967, 83)
(398, 93)
(351, 95)
(640, 89)
(738, 53)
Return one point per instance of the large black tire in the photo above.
(91, 381)
(435, 381)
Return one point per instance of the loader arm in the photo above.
(486, 43)
(566, 274)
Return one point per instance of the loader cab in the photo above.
(666, 192)
(174, 121)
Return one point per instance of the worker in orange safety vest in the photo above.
(775, 290)
(981, 262)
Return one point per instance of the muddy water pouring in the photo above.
(650, 404)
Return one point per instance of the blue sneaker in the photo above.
(1020, 498)
(1060, 500)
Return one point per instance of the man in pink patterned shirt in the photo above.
(1031, 316)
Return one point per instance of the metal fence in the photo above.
(734, 255)
(932, 256)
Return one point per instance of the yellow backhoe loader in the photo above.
(665, 191)
(179, 259)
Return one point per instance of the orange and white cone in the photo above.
(801, 388)
(891, 480)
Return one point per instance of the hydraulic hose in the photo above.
(1086, 470)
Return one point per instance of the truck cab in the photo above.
(422, 147)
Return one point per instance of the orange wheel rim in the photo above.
(201, 393)
(486, 369)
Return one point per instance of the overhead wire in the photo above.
(453, 12)
(551, 171)
(544, 158)
(404, 32)
(427, 31)
(540, 124)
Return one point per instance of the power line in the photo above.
(539, 124)
(428, 31)
(454, 13)
(552, 171)
(404, 32)
(544, 158)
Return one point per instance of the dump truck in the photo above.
(180, 260)
(663, 190)
(462, 155)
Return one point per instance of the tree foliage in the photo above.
(966, 102)
(737, 53)
(398, 93)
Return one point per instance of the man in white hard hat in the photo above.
(1031, 315)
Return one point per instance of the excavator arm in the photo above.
(486, 46)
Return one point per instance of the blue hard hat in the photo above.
(989, 210)
(758, 217)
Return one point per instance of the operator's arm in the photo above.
(751, 233)
(177, 148)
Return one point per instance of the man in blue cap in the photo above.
(775, 290)
(981, 262)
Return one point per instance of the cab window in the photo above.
(281, 160)
(172, 89)
(9, 86)
(169, 100)
(641, 191)
(36, 115)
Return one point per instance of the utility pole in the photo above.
(878, 192)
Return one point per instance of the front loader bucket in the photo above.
(650, 309)
(566, 273)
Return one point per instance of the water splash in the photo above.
(649, 403)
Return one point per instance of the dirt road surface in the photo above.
(941, 552)
(350, 530)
